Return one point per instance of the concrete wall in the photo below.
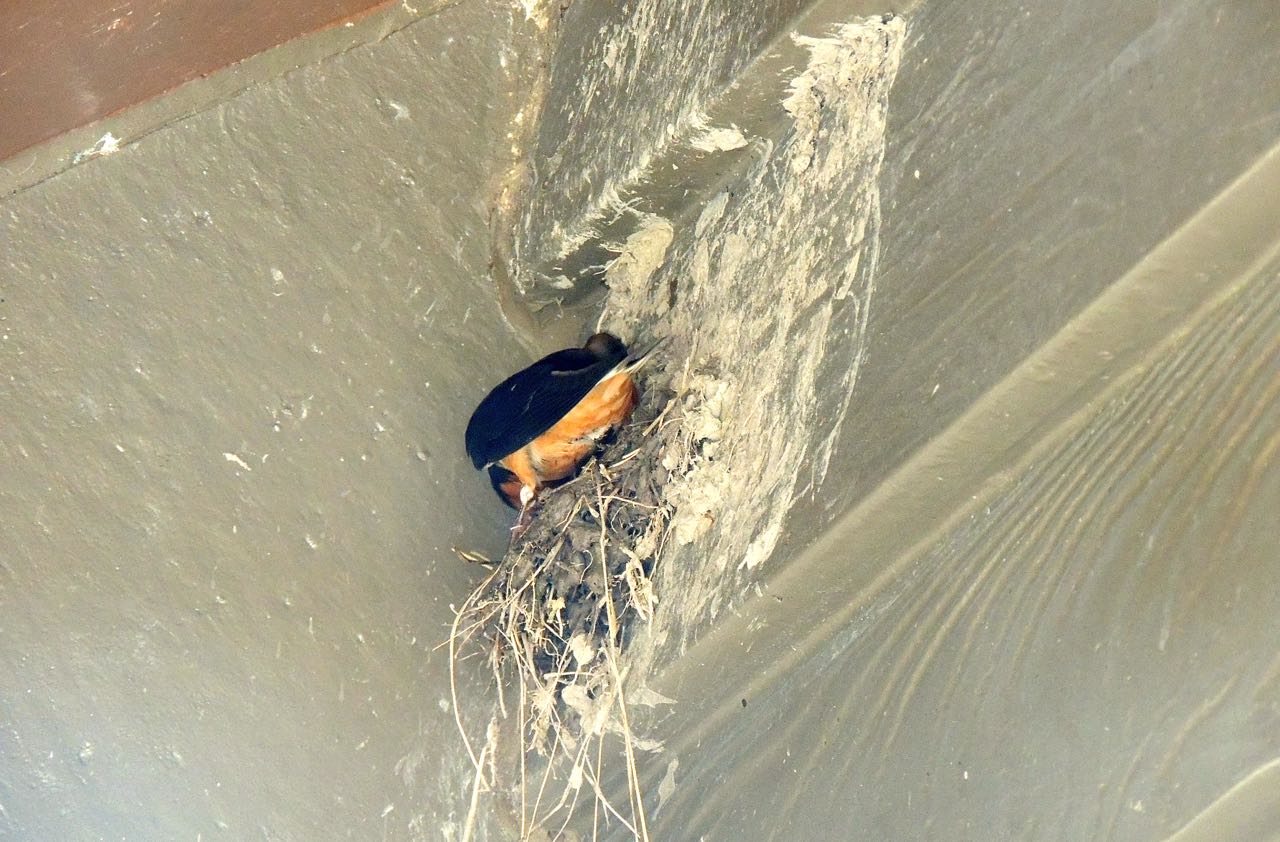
(624, 82)
(979, 316)
(1022, 593)
(1054, 148)
(238, 357)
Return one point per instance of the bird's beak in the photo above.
(639, 358)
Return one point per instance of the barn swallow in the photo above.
(540, 424)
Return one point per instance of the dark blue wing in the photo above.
(530, 402)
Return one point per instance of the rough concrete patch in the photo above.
(699, 485)
(628, 275)
(807, 94)
(710, 138)
(635, 76)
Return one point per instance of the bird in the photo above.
(539, 425)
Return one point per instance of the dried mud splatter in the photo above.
(765, 300)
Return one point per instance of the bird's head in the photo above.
(605, 345)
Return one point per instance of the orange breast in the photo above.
(558, 452)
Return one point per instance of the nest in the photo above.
(557, 610)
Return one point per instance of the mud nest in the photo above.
(556, 609)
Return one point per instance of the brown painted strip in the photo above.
(66, 63)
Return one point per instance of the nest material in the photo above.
(556, 609)
(546, 607)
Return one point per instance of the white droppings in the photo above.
(231, 457)
(721, 139)
(534, 11)
(108, 144)
(711, 214)
(648, 697)
(583, 651)
(668, 785)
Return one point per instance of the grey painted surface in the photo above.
(237, 361)
(1092, 655)
(1052, 623)
(1055, 147)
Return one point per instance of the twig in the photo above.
(633, 776)
(453, 676)
(469, 827)
(524, 815)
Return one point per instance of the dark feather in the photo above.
(499, 477)
(530, 402)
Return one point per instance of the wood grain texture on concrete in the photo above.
(1058, 622)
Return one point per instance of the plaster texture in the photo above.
(237, 359)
